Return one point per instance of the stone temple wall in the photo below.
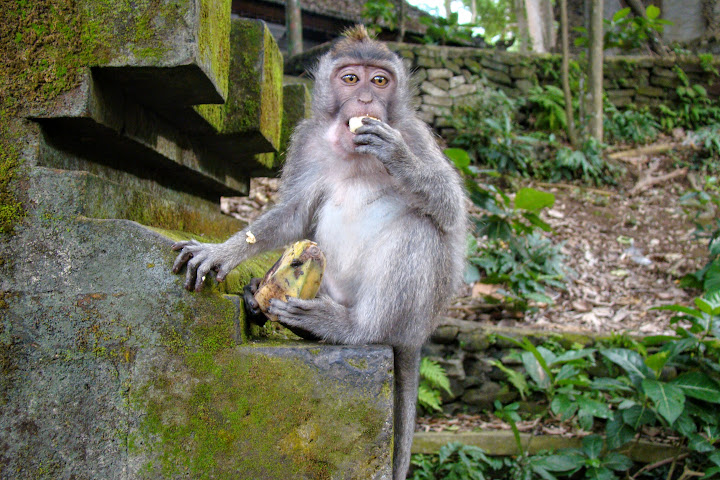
(121, 125)
(451, 76)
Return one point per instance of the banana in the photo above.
(356, 122)
(297, 273)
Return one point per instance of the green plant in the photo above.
(379, 13)
(432, 379)
(547, 104)
(454, 461)
(706, 201)
(446, 31)
(494, 143)
(586, 164)
(694, 108)
(707, 63)
(629, 125)
(627, 32)
(486, 130)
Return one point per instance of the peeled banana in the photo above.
(297, 273)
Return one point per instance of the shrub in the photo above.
(629, 125)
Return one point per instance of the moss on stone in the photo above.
(235, 418)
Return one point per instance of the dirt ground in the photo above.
(627, 250)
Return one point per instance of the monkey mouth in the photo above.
(356, 122)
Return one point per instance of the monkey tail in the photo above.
(407, 372)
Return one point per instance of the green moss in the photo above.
(234, 417)
(11, 209)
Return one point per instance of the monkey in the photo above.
(383, 203)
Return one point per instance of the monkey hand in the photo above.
(383, 141)
(201, 258)
(322, 317)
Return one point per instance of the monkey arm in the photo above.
(421, 170)
(288, 221)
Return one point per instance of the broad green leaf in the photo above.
(681, 309)
(459, 157)
(600, 473)
(698, 385)
(535, 370)
(657, 361)
(594, 407)
(630, 361)
(669, 399)
(617, 461)
(592, 445)
(704, 305)
(572, 355)
(652, 12)
(620, 14)
(564, 406)
(617, 433)
(561, 462)
(609, 385)
(533, 200)
(637, 416)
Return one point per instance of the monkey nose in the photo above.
(365, 97)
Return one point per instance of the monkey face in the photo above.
(360, 91)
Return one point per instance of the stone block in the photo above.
(664, 72)
(453, 66)
(297, 105)
(169, 54)
(441, 83)
(427, 117)
(435, 73)
(495, 65)
(498, 77)
(522, 71)
(428, 62)
(445, 334)
(251, 118)
(462, 90)
(473, 341)
(104, 126)
(666, 82)
(524, 85)
(430, 89)
(473, 65)
(438, 101)
(457, 81)
(435, 110)
(648, 91)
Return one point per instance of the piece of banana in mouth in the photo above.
(356, 122)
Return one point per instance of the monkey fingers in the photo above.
(186, 253)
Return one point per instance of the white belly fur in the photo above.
(353, 227)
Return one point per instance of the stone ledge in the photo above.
(502, 443)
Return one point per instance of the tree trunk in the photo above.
(548, 16)
(535, 26)
(447, 8)
(293, 23)
(473, 11)
(522, 26)
(595, 80)
(401, 14)
(566, 75)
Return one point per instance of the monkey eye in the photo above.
(379, 80)
(350, 78)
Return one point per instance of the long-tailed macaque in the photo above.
(384, 205)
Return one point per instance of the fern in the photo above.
(433, 374)
(432, 379)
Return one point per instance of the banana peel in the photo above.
(297, 273)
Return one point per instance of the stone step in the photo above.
(76, 192)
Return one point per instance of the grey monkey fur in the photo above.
(389, 216)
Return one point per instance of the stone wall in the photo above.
(467, 349)
(450, 76)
